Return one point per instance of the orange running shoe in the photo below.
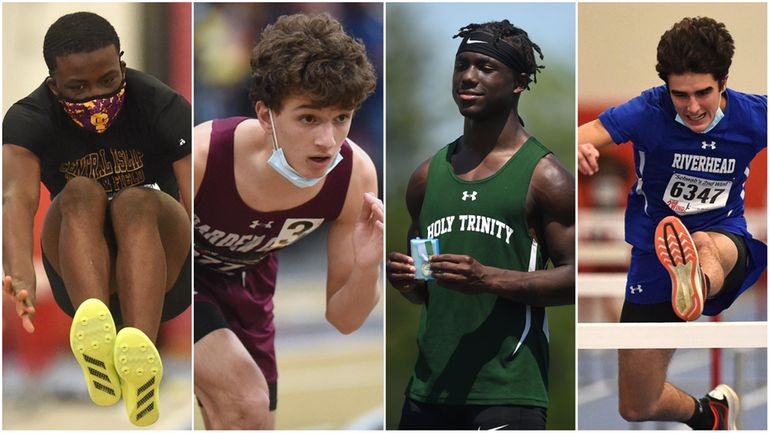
(676, 251)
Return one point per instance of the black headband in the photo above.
(484, 43)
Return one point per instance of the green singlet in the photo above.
(481, 349)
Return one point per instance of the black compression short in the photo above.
(426, 416)
(734, 279)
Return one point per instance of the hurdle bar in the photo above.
(692, 335)
(601, 285)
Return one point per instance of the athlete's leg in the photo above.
(77, 247)
(207, 422)
(74, 241)
(644, 393)
(698, 263)
(152, 233)
(718, 255)
(270, 425)
(230, 386)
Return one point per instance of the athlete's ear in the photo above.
(263, 115)
(723, 84)
(521, 83)
(51, 83)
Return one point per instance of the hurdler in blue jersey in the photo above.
(699, 177)
(693, 141)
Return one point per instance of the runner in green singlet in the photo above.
(501, 207)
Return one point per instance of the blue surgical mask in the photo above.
(717, 117)
(279, 163)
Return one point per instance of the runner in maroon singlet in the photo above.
(260, 185)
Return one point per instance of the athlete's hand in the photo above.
(459, 272)
(400, 271)
(367, 233)
(24, 298)
(588, 159)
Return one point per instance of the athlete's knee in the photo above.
(80, 196)
(235, 400)
(702, 240)
(636, 409)
(248, 409)
(135, 205)
(252, 410)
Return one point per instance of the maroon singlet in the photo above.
(235, 267)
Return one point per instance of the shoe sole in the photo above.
(733, 405)
(92, 336)
(141, 370)
(676, 251)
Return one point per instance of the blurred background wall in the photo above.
(617, 45)
(326, 380)
(422, 118)
(42, 384)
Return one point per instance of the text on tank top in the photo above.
(229, 235)
(481, 348)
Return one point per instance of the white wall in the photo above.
(24, 27)
(617, 45)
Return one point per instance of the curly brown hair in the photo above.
(699, 45)
(310, 55)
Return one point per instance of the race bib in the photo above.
(295, 228)
(687, 195)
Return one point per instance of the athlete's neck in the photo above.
(487, 144)
(259, 186)
(496, 133)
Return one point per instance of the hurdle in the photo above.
(658, 335)
(693, 335)
(714, 335)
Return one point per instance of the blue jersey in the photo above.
(698, 177)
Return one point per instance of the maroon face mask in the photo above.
(95, 114)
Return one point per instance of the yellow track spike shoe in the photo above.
(140, 369)
(92, 337)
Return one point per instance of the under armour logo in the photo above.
(712, 145)
(635, 289)
(255, 224)
(472, 195)
(182, 142)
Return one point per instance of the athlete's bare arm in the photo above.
(201, 137)
(592, 136)
(550, 210)
(182, 173)
(354, 250)
(400, 267)
(21, 195)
